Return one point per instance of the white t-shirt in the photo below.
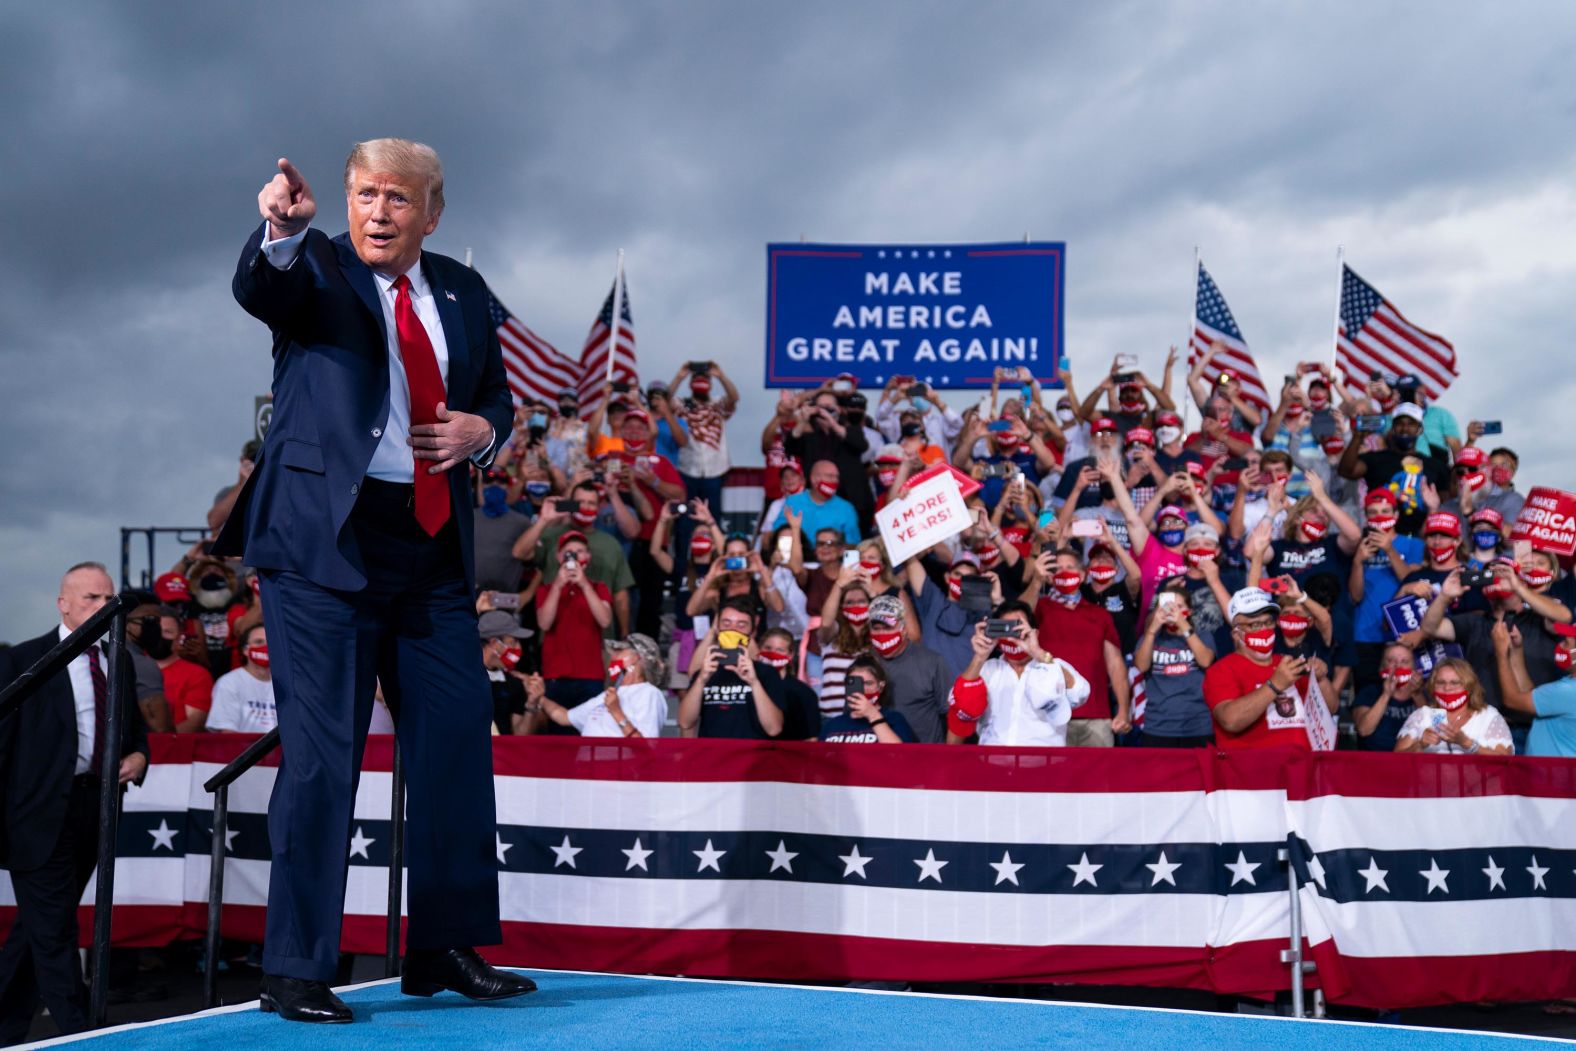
(1487, 727)
(643, 704)
(242, 704)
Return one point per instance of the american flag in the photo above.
(593, 358)
(537, 370)
(1212, 321)
(1374, 337)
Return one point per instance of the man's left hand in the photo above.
(452, 440)
(133, 767)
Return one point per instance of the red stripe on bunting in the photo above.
(1389, 776)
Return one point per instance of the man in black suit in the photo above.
(50, 755)
(388, 384)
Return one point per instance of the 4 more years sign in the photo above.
(1548, 521)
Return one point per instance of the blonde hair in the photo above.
(403, 157)
(1295, 515)
(1475, 698)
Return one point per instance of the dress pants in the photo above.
(40, 960)
(413, 627)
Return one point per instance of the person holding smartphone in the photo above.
(867, 717)
(1256, 695)
(1024, 696)
(1173, 657)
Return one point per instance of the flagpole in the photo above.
(613, 322)
(1335, 333)
(1187, 358)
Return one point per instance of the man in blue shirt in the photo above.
(819, 506)
(1552, 704)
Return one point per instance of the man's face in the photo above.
(256, 637)
(824, 472)
(635, 431)
(568, 408)
(1274, 471)
(170, 628)
(388, 219)
(588, 499)
(492, 652)
(1405, 427)
(576, 551)
(735, 620)
(83, 594)
(1502, 463)
(1068, 564)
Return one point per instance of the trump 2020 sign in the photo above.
(948, 315)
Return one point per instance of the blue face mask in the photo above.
(538, 490)
(1483, 539)
(538, 421)
(920, 404)
(1403, 442)
(495, 501)
(1171, 537)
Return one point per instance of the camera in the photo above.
(1001, 628)
(620, 387)
(571, 559)
(1126, 377)
(1005, 469)
(1370, 424)
(678, 508)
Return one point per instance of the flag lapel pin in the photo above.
(452, 297)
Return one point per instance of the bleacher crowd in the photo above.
(1125, 580)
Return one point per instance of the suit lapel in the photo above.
(453, 332)
(360, 279)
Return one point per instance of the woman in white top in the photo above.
(1454, 718)
(632, 706)
(243, 699)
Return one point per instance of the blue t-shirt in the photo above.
(1300, 560)
(663, 444)
(1554, 730)
(847, 729)
(1379, 586)
(946, 626)
(836, 513)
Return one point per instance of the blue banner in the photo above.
(947, 315)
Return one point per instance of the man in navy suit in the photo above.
(388, 382)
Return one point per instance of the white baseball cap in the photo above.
(1249, 601)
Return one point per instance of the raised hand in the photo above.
(286, 202)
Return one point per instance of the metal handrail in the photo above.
(111, 618)
(243, 762)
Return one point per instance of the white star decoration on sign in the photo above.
(1374, 876)
(854, 862)
(564, 853)
(1435, 876)
(637, 856)
(1537, 873)
(164, 836)
(709, 858)
(359, 843)
(1495, 874)
(502, 847)
(929, 867)
(782, 858)
(1084, 871)
(1242, 870)
(1006, 869)
(1163, 870)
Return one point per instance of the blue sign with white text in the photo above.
(947, 315)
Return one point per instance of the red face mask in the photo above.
(1384, 522)
(1562, 658)
(886, 477)
(1534, 576)
(1442, 556)
(1067, 582)
(856, 614)
(778, 661)
(1102, 575)
(1013, 651)
(1293, 626)
(989, 555)
(258, 655)
(1450, 700)
(1500, 476)
(1260, 641)
(1318, 402)
(1401, 676)
(635, 445)
(1474, 480)
(1313, 529)
(584, 517)
(954, 588)
(616, 670)
(1197, 556)
(872, 568)
(511, 658)
(826, 489)
(887, 642)
(700, 547)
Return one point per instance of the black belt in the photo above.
(85, 781)
(388, 494)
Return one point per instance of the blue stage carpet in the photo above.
(580, 1011)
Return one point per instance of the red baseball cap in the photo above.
(172, 587)
(1101, 424)
(791, 463)
(638, 414)
(1471, 456)
(966, 705)
(1442, 522)
(1167, 419)
(1378, 494)
(1489, 515)
(573, 534)
(1141, 436)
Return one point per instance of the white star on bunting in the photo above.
(164, 836)
(1537, 872)
(782, 858)
(1495, 874)
(1163, 870)
(1435, 876)
(637, 856)
(1316, 869)
(1084, 871)
(1242, 870)
(1374, 876)
(502, 847)
(564, 853)
(853, 861)
(709, 858)
(1007, 869)
(929, 867)
(359, 843)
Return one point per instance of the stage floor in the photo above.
(580, 1010)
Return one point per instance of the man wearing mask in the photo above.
(670, 433)
(1085, 637)
(1440, 436)
(1025, 696)
(608, 566)
(1170, 454)
(1256, 695)
(501, 655)
(906, 401)
(1552, 704)
(703, 461)
(188, 685)
(819, 507)
(143, 623)
(918, 677)
(1381, 466)
(243, 699)
(732, 694)
(497, 526)
(1500, 494)
(945, 625)
(658, 481)
(574, 612)
(822, 433)
(1011, 445)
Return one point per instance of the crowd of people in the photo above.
(1125, 580)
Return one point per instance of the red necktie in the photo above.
(426, 390)
(100, 699)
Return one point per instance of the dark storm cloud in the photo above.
(135, 138)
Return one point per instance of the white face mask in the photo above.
(1064, 416)
(1167, 435)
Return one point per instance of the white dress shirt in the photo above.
(392, 460)
(81, 676)
(1032, 708)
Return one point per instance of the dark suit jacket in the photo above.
(331, 402)
(38, 754)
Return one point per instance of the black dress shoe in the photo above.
(462, 971)
(298, 1000)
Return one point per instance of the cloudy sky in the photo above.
(1433, 140)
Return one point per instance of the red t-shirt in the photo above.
(1234, 675)
(1078, 635)
(572, 648)
(664, 471)
(186, 685)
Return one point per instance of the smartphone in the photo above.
(1493, 427)
(566, 505)
(729, 659)
(999, 426)
(785, 547)
(699, 368)
(843, 386)
(1476, 578)
(1065, 364)
(678, 508)
(1001, 628)
(736, 562)
(620, 387)
(1127, 361)
(1168, 603)
(856, 684)
(1305, 367)
(1278, 585)
(850, 559)
(505, 600)
(1126, 377)
(975, 595)
(1046, 518)
(1000, 470)
(1369, 424)
(1085, 528)
(918, 390)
